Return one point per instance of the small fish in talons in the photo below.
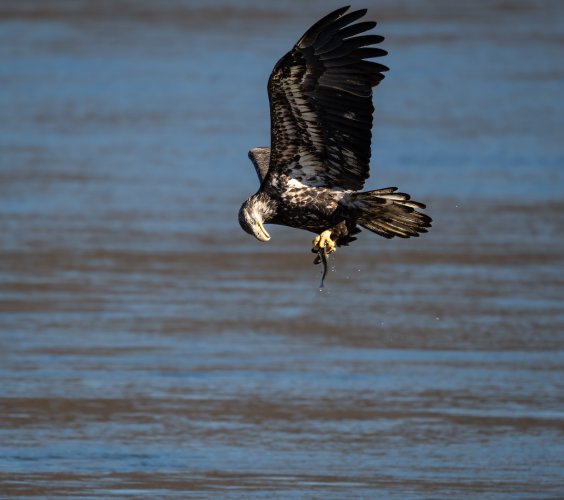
(323, 245)
(322, 257)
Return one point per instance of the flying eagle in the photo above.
(321, 109)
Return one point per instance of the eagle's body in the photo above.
(321, 119)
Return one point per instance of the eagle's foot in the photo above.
(324, 240)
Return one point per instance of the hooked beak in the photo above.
(261, 234)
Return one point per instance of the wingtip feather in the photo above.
(312, 33)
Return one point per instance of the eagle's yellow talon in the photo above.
(324, 240)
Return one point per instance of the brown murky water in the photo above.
(150, 348)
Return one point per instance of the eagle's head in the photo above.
(254, 212)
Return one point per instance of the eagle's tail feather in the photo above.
(389, 213)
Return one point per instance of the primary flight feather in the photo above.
(321, 110)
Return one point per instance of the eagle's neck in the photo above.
(263, 205)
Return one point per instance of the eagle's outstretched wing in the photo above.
(321, 103)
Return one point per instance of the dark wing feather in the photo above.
(321, 103)
(261, 159)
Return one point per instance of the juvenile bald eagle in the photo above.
(321, 119)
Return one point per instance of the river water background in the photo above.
(150, 348)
